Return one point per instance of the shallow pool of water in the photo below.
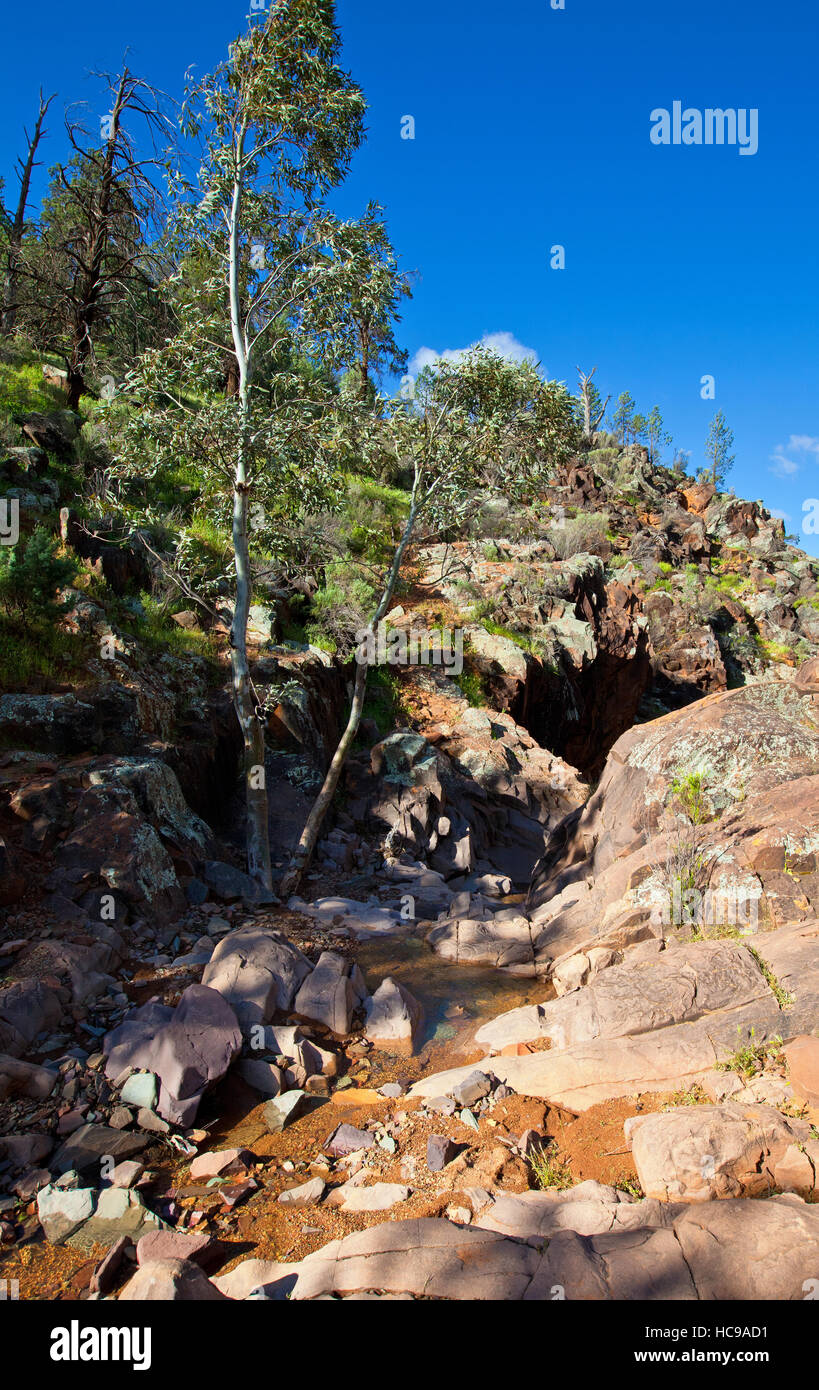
(457, 999)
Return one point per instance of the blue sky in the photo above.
(531, 130)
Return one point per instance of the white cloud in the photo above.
(504, 344)
(780, 515)
(784, 465)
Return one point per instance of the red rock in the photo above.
(177, 1245)
(802, 1055)
(218, 1163)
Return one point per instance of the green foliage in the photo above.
(751, 1058)
(23, 387)
(549, 1170)
(519, 638)
(622, 420)
(31, 572)
(477, 427)
(769, 650)
(340, 607)
(657, 437)
(156, 629)
(383, 702)
(717, 450)
(693, 1095)
(783, 996)
(37, 658)
(689, 791)
(470, 685)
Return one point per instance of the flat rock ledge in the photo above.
(734, 1249)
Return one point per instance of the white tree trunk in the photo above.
(257, 834)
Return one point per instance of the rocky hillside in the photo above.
(545, 1013)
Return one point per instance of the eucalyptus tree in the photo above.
(267, 267)
(476, 426)
(375, 287)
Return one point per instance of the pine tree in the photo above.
(622, 421)
(717, 446)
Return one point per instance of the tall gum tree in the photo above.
(274, 128)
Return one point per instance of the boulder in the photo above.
(88, 1147)
(682, 984)
(264, 1077)
(758, 751)
(218, 1163)
(362, 919)
(24, 1079)
(196, 1246)
(347, 1139)
(802, 1056)
(698, 1152)
(281, 1111)
(27, 1007)
(305, 1195)
(393, 1017)
(257, 972)
(127, 854)
(331, 993)
(735, 1249)
(118, 1212)
(228, 884)
(188, 1048)
(177, 1281)
(440, 1151)
(501, 940)
(12, 879)
(61, 1211)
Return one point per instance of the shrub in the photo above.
(549, 1169)
(471, 687)
(37, 660)
(585, 534)
(340, 608)
(382, 702)
(31, 572)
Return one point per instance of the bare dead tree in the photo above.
(93, 252)
(18, 224)
(593, 411)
